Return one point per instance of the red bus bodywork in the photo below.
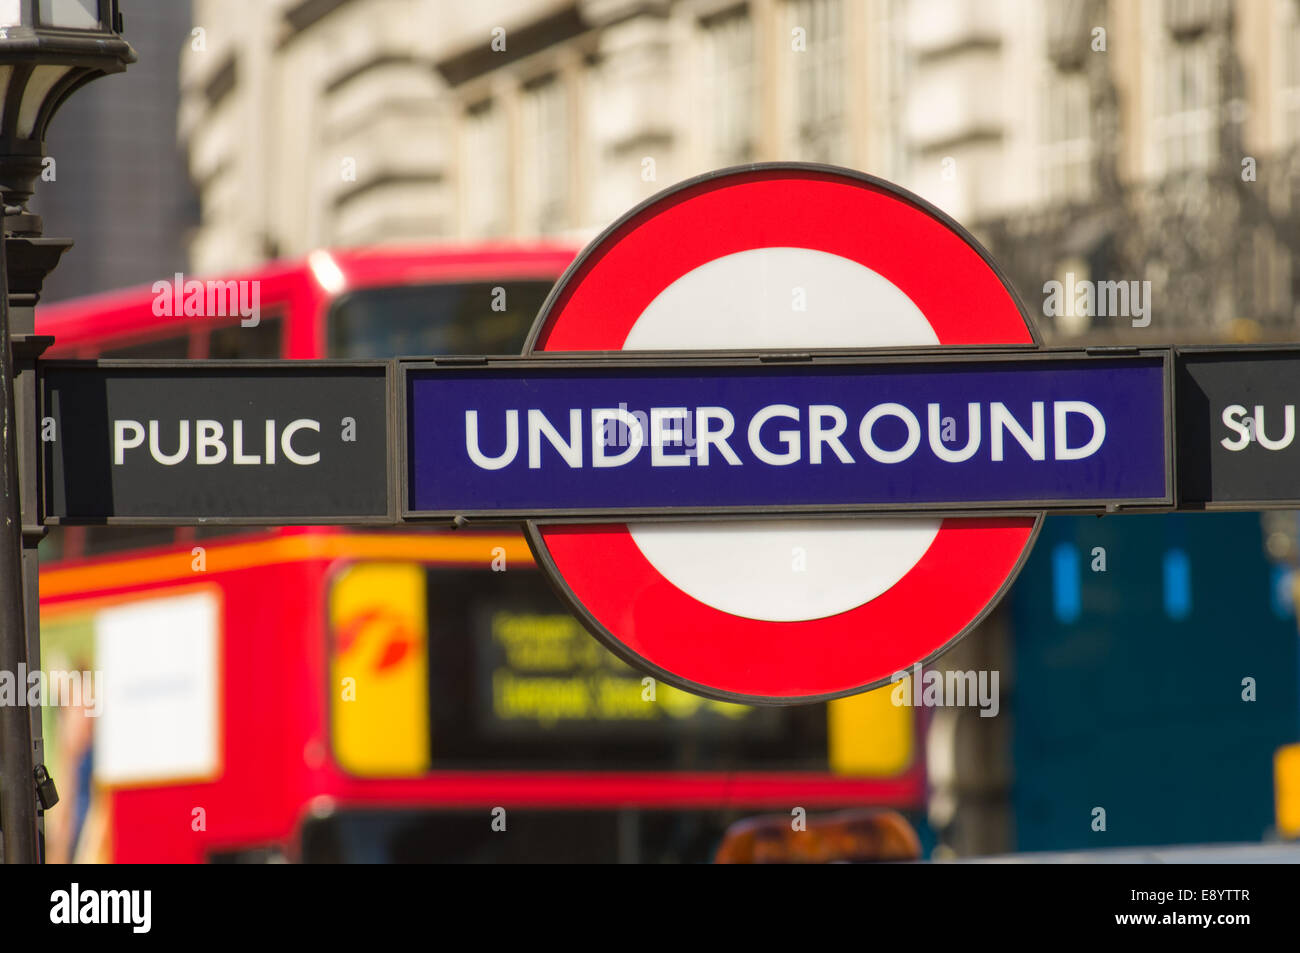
(276, 765)
(81, 328)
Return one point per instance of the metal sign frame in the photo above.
(1262, 351)
(389, 518)
(397, 455)
(891, 357)
(593, 337)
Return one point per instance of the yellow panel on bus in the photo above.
(379, 669)
(870, 736)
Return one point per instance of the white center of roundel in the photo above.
(798, 298)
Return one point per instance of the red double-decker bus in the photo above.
(319, 694)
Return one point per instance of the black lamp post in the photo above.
(48, 50)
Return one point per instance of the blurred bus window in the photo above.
(261, 341)
(460, 318)
(159, 349)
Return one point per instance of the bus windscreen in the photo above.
(453, 318)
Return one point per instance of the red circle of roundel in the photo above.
(633, 608)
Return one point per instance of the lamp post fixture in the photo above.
(48, 50)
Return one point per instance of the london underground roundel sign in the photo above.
(785, 256)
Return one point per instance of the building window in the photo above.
(1186, 131)
(817, 106)
(888, 67)
(486, 174)
(1290, 95)
(1067, 141)
(728, 88)
(545, 180)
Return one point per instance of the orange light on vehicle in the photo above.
(1286, 779)
(849, 836)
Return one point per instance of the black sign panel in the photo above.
(210, 441)
(1237, 444)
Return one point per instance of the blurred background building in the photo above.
(1112, 141)
(119, 182)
